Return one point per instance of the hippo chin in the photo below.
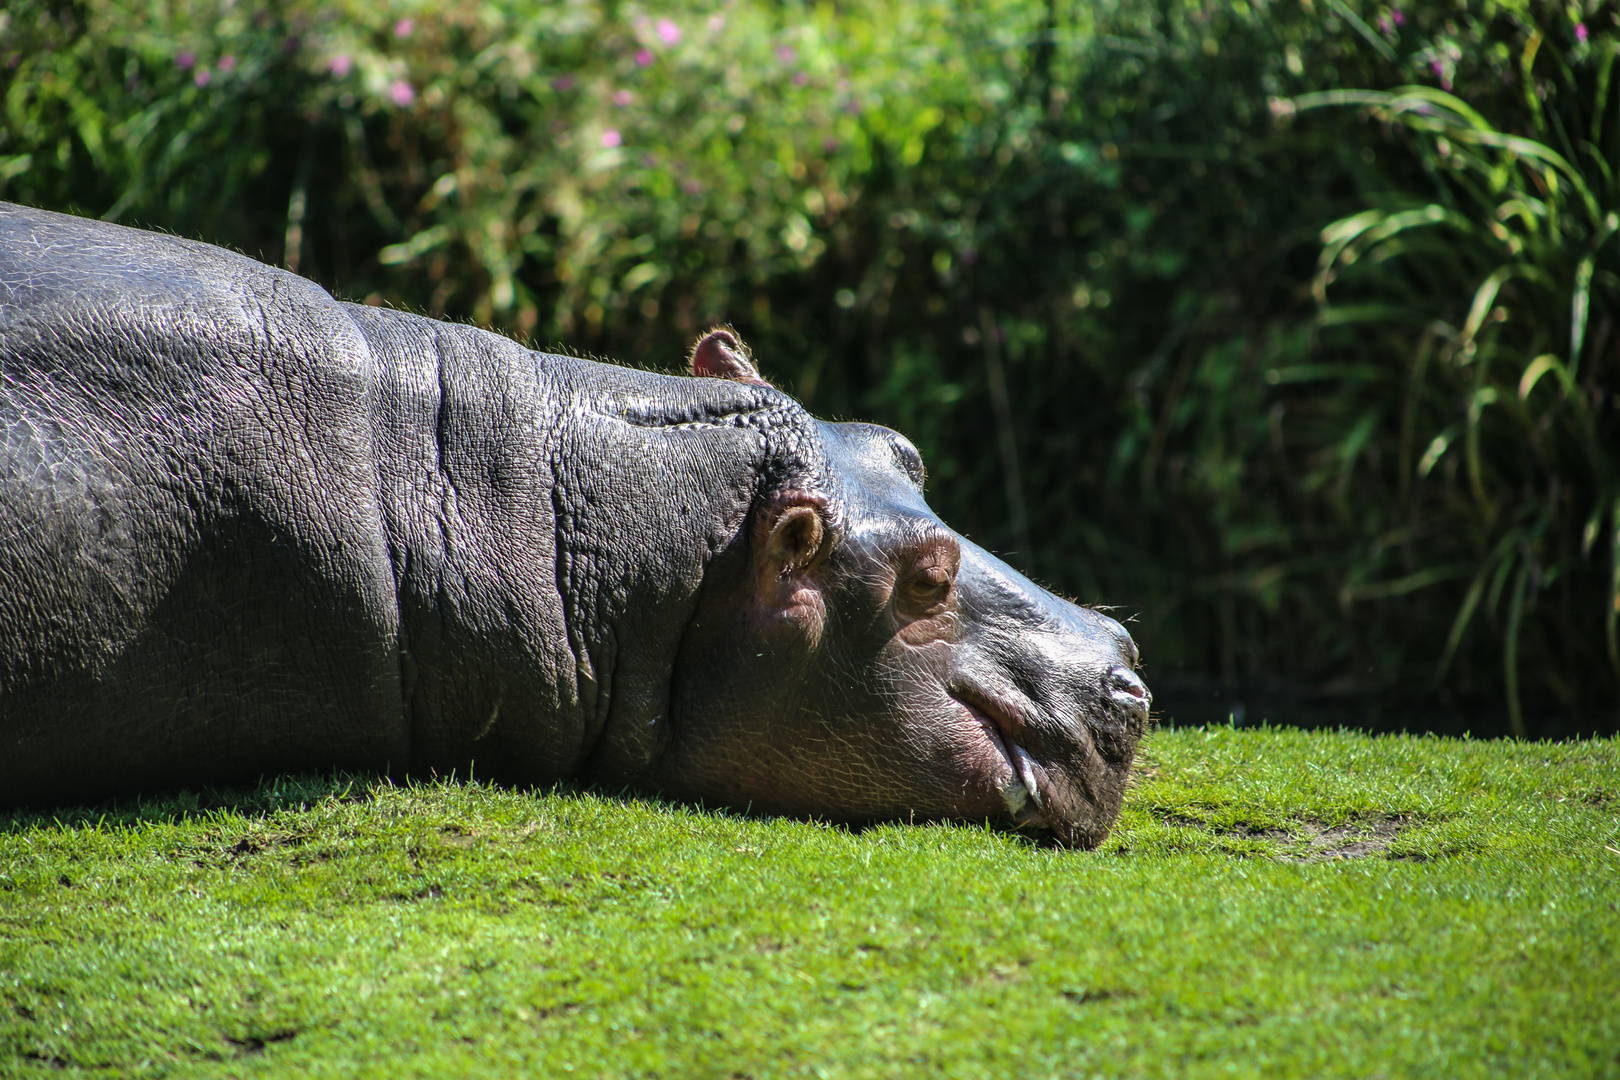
(248, 529)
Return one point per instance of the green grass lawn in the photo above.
(1273, 903)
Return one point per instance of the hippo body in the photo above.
(247, 528)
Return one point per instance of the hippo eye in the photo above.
(926, 589)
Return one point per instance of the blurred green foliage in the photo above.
(1286, 325)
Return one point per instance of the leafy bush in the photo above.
(1253, 317)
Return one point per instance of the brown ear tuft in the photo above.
(720, 354)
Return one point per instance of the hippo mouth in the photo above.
(1021, 792)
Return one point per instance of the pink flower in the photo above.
(623, 97)
(340, 64)
(717, 23)
(1580, 33)
(401, 93)
(186, 60)
(786, 54)
(562, 83)
(643, 57)
(227, 63)
(800, 78)
(1400, 20)
(668, 32)
(404, 27)
(202, 78)
(829, 145)
(691, 187)
(612, 138)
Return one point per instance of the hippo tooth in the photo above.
(1026, 773)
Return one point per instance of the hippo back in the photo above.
(245, 527)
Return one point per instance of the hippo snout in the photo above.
(1067, 701)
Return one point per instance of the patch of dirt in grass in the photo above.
(1005, 973)
(458, 836)
(1090, 995)
(257, 842)
(255, 1044)
(1310, 843)
(49, 1060)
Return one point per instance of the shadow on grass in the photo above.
(298, 791)
(266, 797)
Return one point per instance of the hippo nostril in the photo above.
(1127, 684)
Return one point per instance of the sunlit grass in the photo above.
(329, 927)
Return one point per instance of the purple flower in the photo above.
(202, 78)
(562, 83)
(1580, 33)
(668, 32)
(1385, 24)
(340, 64)
(612, 138)
(401, 93)
(643, 57)
(186, 60)
(1399, 19)
(786, 54)
(404, 27)
(623, 97)
(227, 63)
(800, 78)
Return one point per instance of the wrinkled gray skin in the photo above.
(246, 528)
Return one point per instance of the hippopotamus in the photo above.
(247, 528)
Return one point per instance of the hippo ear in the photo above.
(720, 354)
(794, 539)
(791, 540)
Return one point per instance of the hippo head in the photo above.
(853, 658)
